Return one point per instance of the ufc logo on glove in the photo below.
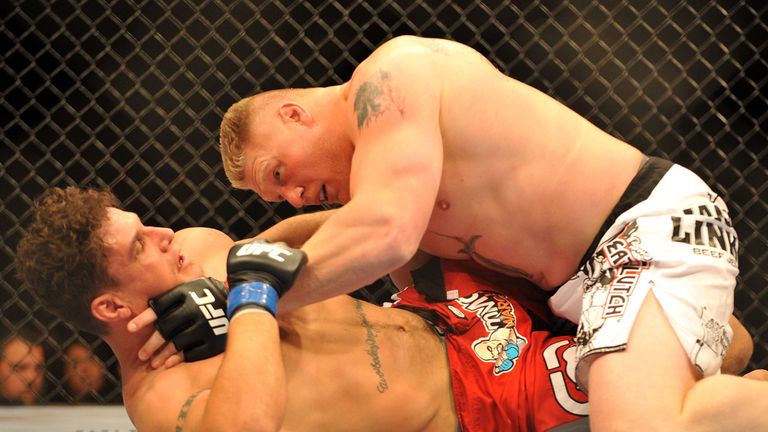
(216, 317)
(258, 248)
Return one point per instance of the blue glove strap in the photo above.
(252, 293)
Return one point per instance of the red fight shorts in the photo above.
(507, 373)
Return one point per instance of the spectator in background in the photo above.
(84, 374)
(22, 369)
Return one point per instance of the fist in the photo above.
(275, 264)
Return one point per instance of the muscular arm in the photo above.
(249, 388)
(248, 392)
(295, 230)
(395, 177)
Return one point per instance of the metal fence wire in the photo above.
(129, 94)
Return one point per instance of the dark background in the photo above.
(129, 94)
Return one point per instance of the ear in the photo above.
(294, 113)
(110, 307)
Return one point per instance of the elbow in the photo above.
(401, 240)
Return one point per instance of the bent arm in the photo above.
(294, 230)
(394, 181)
(249, 392)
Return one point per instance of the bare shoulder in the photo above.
(207, 247)
(394, 52)
(203, 239)
(203, 234)
(400, 78)
(391, 54)
(165, 401)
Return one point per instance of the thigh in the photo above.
(645, 384)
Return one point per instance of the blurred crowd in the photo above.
(36, 370)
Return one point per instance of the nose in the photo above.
(294, 196)
(164, 237)
(29, 375)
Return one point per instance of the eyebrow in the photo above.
(134, 240)
(258, 174)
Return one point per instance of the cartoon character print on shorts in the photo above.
(503, 345)
(609, 278)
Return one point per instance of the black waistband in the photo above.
(652, 169)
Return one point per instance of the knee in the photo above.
(757, 375)
(708, 402)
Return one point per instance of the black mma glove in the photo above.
(259, 273)
(192, 317)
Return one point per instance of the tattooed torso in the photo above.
(520, 191)
(350, 361)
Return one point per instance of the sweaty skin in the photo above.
(430, 147)
(352, 363)
(470, 165)
(520, 190)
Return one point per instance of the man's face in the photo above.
(295, 166)
(84, 371)
(21, 371)
(145, 261)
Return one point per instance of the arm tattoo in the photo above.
(374, 97)
(184, 409)
(373, 347)
(367, 103)
(468, 249)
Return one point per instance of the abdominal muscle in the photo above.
(361, 367)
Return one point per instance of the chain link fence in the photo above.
(129, 94)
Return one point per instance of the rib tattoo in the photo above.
(373, 348)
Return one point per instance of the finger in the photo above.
(173, 360)
(142, 320)
(151, 345)
(160, 358)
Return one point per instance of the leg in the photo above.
(758, 374)
(740, 351)
(652, 386)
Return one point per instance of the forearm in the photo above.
(249, 392)
(351, 250)
(295, 230)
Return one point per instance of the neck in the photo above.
(125, 346)
(332, 102)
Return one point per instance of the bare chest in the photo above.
(356, 377)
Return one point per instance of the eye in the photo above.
(139, 245)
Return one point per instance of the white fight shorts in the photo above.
(671, 234)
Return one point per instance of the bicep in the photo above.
(297, 229)
(399, 148)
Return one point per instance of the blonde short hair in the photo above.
(234, 126)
